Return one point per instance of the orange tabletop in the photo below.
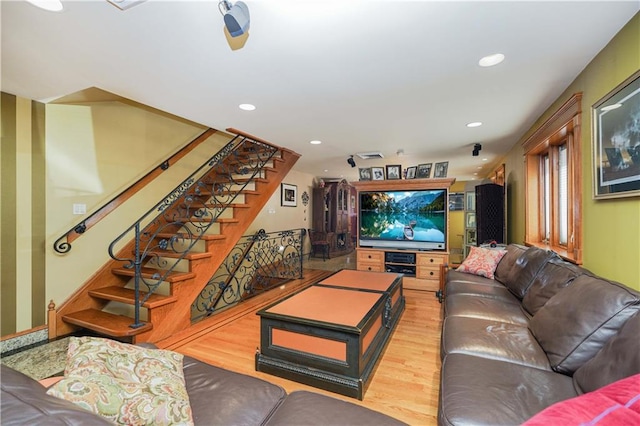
(326, 304)
(378, 281)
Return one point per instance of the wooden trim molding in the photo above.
(555, 126)
(563, 127)
(402, 184)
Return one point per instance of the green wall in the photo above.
(611, 227)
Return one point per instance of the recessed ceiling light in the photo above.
(484, 159)
(326, 170)
(316, 142)
(247, 107)
(610, 107)
(491, 60)
(50, 5)
(474, 124)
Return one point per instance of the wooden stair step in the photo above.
(128, 296)
(208, 219)
(235, 206)
(173, 277)
(204, 204)
(227, 180)
(206, 237)
(189, 256)
(106, 323)
(207, 193)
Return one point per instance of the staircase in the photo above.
(173, 253)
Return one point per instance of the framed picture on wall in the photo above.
(470, 201)
(365, 173)
(411, 172)
(394, 172)
(456, 201)
(424, 171)
(440, 170)
(377, 173)
(289, 195)
(470, 220)
(616, 141)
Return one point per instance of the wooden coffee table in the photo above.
(331, 334)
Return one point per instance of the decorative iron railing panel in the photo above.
(256, 264)
(168, 232)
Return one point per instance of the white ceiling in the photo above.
(357, 75)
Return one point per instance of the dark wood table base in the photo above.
(331, 335)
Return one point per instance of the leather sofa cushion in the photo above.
(482, 391)
(554, 275)
(619, 358)
(307, 408)
(525, 268)
(514, 251)
(223, 397)
(576, 323)
(495, 290)
(503, 310)
(24, 401)
(490, 339)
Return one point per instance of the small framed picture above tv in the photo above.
(411, 172)
(365, 173)
(440, 170)
(394, 172)
(377, 173)
(424, 171)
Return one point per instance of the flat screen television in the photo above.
(412, 220)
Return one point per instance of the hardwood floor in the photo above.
(404, 386)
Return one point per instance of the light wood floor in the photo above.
(404, 386)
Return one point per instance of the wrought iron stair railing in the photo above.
(168, 233)
(256, 264)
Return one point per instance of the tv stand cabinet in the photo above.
(421, 269)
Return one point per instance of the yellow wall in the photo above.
(274, 217)
(611, 228)
(456, 227)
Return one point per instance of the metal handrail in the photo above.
(63, 244)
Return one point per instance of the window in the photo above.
(552, 183)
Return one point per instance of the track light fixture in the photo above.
(476, 149)
(351, 161)
(236, 17)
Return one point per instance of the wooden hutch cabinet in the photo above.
(331, 206)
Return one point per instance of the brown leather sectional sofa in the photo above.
(542, 331)
(217, 397)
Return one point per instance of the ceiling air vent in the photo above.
(370, 155)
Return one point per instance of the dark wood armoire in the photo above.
(331, 207)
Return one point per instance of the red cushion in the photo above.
(482, 261)
(612, 405)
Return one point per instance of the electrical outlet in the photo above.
(79, 209)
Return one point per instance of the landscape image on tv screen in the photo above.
(403, 217)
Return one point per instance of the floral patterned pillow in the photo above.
(124, 383)
(482, 261)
